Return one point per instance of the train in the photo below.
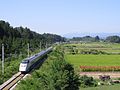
(27, 64)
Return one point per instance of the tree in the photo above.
(97, 38)
(87, 81)
(113, 39)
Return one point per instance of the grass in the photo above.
(112, 87)
(94, 60)
(106, 47)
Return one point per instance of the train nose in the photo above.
(22, 67)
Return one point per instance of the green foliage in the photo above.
(11, 67)
(113, 39)
(94, 60)
(97, 38)
(53, 38)
(30, 84)
(92, 51)
(16, 39)
(92, 48)
(104, 87)
(15, 42)
(87, 81)
(86, 39)
(55, 74)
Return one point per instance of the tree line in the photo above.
(15, 39)
(86, 38)
(112, 39)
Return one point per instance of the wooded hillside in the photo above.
(16, 39)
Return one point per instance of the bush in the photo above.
(86, 81)
(92, 51)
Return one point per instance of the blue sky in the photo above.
(63, 16)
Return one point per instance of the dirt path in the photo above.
(96, 74)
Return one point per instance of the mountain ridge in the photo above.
(101, 35)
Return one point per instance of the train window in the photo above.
(25, 61)
(36, 54)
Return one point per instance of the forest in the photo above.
(15, 39)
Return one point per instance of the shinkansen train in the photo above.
(27, 64)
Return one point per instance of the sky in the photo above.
(63, 16)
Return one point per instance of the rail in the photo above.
(12, 81)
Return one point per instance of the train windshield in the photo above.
(25, 61)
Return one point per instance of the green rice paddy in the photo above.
(94, 60)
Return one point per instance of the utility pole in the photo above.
(3, 59)
(28, 50)
(40, 46)
(46, 45)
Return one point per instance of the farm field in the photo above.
(101, 46)
(94, 60)
(94, 56)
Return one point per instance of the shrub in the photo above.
(86, 81)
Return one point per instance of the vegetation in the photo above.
(90, 54)
(87, 81)
(11, 67)
(86, 39)
(104, 87)
(93, 48)
(54, 74)
(94, 60)
(93, 56)
(15, 41)
(112, 39)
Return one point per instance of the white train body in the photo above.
(27, 64)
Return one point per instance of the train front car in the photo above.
(24, 66)
(29, 63)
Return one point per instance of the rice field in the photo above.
(94, 60)
(106, 47)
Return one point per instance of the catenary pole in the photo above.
(2, 58)
(40, 46)
(28, 50)
(46, 45)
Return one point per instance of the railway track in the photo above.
(12, 81)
